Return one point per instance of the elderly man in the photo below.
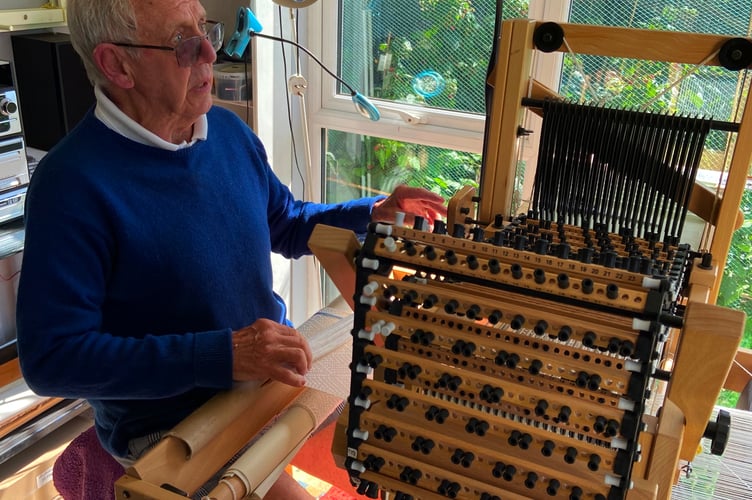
(147, 282)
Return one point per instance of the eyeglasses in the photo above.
(187, 51)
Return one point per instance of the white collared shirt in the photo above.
(109, 114)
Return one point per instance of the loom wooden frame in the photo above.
(511, 82)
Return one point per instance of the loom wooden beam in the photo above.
(739, 374)
(336, 249)
(704, 203)
(634, 43)
(710, 339)
(137, 489)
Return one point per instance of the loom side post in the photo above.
(728, 207)
(509, 80)
(709, 341)
(460, 207)
(335, 249)
(661, 445)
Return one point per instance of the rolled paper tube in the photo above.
(275, 446)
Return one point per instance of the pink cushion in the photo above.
(85, 470)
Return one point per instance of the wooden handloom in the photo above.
(453, 398)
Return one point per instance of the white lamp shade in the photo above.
(294, 4)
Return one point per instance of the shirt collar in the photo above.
(109, 114)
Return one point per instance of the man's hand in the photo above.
(413, 202)
(269, 350)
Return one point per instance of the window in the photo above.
(424, 63)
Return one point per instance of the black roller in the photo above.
(548, 37)
(736, 54)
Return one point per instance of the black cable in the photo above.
(283, 40)
(289, 109)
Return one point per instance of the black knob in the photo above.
(494, 317)
(516, 271)
(540, 327)
(535, 367)
(498, 469)
(429, 252)
(531, 479)
(553, 487)
(509, 472)
(430, 301)
(570, 455)
(494, 267)
(718, 432)
(482, 428)
(514, 438)
(512, 361)
(7, 107)
(594, 462)
(588, 340)
(541, 407)
(517, 322)
(539, 275)
(548, 448)
(501, 358)
(473, 312)
(450, 257)
(600, 424)
(525, 440)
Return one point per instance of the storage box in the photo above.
(28, 475)
(232, 81)
(34, 481)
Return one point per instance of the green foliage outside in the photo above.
(736, 287)
(451, 39)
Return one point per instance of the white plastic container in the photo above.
(232, 81)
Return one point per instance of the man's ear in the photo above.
(111, 61)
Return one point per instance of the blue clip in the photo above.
(245, 24)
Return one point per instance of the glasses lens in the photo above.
(216, 36)
(188, 50)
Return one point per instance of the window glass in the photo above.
(431, 53)
(359, 165)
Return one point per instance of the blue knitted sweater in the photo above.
(139, 262)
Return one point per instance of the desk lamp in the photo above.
(247, 25)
